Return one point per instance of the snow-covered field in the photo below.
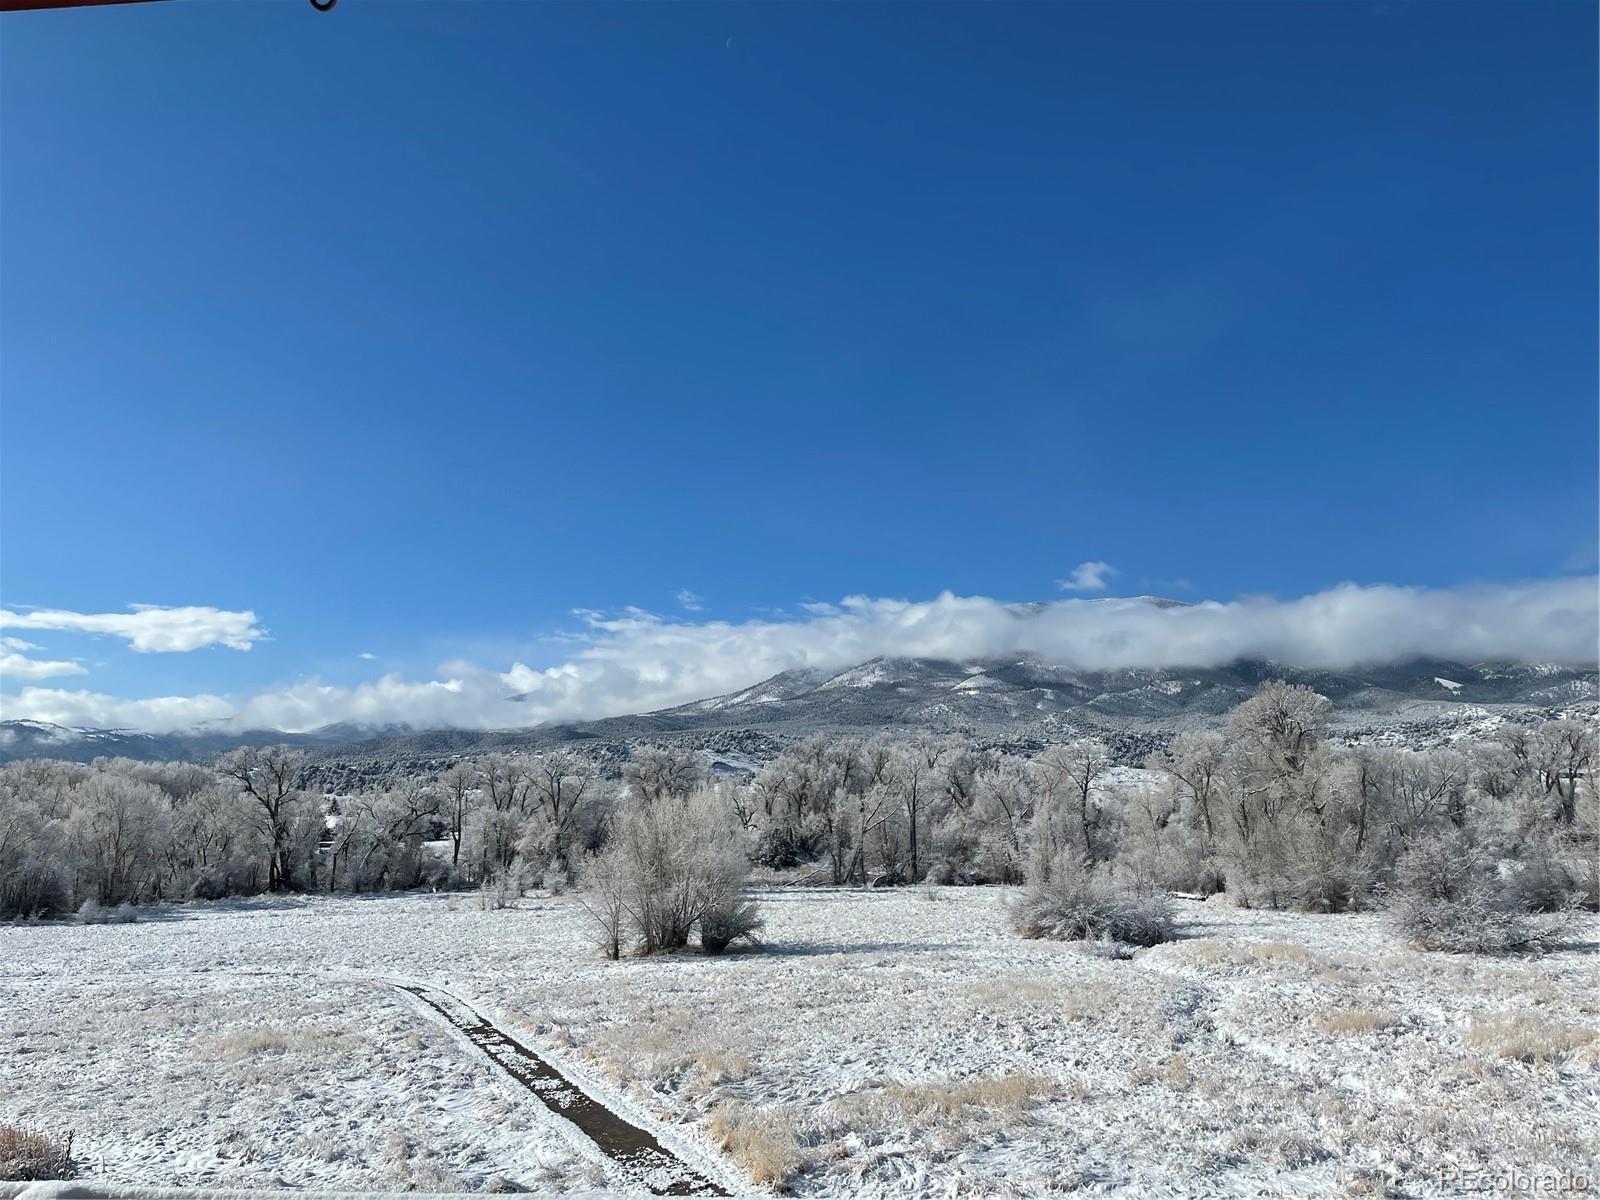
(892, 1043)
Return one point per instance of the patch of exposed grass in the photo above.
(1533, 1040)
(1011, 992)
(1353, 1020)
(279, 1039)
(895, 1105)
(1289, 953)
(29, 1154)
(766, 1144)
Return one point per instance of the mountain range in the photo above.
(1016, 701)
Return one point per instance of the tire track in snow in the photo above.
(638, 1155)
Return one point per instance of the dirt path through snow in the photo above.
(639, 1157)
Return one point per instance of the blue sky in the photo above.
(411, 328)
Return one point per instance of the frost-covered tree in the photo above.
(33, 875)
(458, 788)
(1067, 811)
(274, 780)
(917, 780)
(658, 773)
(1561, 753)
(214, 844)
(1195, 762)
(495, 829)
(1000, 817)
(116, 833)
(563, 790)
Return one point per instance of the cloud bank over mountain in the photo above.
(636, 661)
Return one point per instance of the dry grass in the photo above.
(1353, 1020)
(1010, 992)
(278, 1039)
(1534, 1040)
(721, 1066)
(1288, 1149)
(942, 1101)
(1083, 1004)
(676, 1046)
(947, 1097)
(766, 1144)
(1175, 1073)
(28, 1154)
(1289, 953)
(1214, 953)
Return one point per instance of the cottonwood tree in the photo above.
(397, 821)
(562, 788)
(273, 778)
(1001, 813)
(213, 845)
(458, 789)
(1195, 761)
(502, 813)
(1065, 779)
(1561, 752)
(33, 878)
(916, 779)
(116, 832)
(655, 773)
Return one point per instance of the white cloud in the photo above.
(690, 601)
(635, 661)
(150, 627)
(15, 663)
(368, 655)
(158, 715)
(1087, 577)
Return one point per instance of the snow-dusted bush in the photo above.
(727, 919)
(784, 845)
(1549, 875)
(674, 863)
(1449, 895)
(1073, 903)
(29, 1154)
(497, 894)
(92, 912)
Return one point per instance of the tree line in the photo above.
(1270, 809)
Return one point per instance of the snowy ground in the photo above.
(897, 1043)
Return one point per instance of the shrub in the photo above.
(1077, 905)
(28, 1154)
(784, 845)
(1477, 922)
(726, 920)
(92, 912)
(1448, 896)
(673, 864)
(497, 893)
(1549, 879)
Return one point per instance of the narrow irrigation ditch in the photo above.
(639, 1156)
